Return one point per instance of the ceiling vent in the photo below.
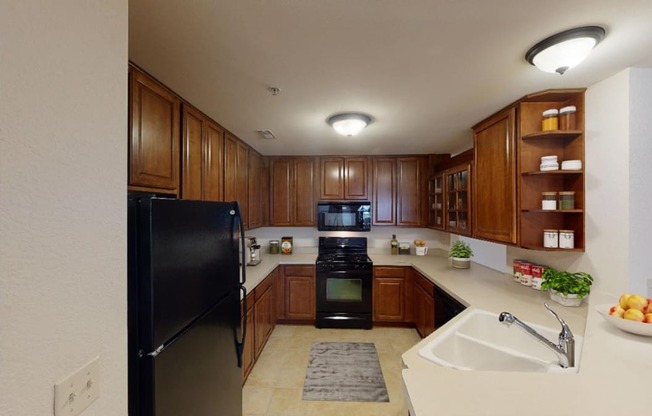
(266, 134)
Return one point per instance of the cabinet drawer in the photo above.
(307, 270)
(264, 286)
(389, 271)
(425, 284)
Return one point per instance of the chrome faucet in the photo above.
(566, 347)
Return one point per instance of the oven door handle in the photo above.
(346, 274)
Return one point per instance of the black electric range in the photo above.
(344, 277)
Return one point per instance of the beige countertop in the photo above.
(256, 274)
(615, 370)
(614, 375)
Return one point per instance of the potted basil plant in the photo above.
(566, 288)
(460, 254)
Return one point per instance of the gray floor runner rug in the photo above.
(344, 371)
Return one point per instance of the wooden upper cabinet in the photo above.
(305, 200)
(409, 201)
(213, 163)
(255, 188)
(344, 178)
(281, 192)
(383, 179)
(458, 186)
(192, 149)
(292, 194)
(235, 173)
(494, 178)
(201, 163)
(154, 135)
(355, 178)
(332, 178)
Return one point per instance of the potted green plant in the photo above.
(460, 254)
(566, 288)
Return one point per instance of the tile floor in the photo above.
(275, 385)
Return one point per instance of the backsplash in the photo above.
(306, 239)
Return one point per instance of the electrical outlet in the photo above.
(649, 288)
(78, 390)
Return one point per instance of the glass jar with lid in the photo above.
(274, 247)
(567, 118)
(551, 238)
(550, 120)
(548, 200)
(567, 200)
(566, 239)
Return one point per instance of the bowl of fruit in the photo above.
(632, 314)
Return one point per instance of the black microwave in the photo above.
(344, 216)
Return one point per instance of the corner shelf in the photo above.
(553, 172)
(553, 134)
(542, 248)
(566, 145)
(554, 211)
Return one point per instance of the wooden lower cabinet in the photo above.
(264, 312)
(424, 305)
(390, 294)
(261, 319)
(296, 294)
(248, 357)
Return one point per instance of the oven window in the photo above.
(344, 290)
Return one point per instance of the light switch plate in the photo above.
(78, 390)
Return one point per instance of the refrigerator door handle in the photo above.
(243, 326)
(243, 260)
(156, 351)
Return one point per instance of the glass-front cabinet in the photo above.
(458, 197)
(436, 202)
(450, 200)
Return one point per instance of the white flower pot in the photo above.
(460, 262)
(566, 300)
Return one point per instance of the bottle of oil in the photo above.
(394, 244)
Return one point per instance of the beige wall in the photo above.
(607, 191)
(640, 180)
(63, 164)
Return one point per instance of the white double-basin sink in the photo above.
(477, 341)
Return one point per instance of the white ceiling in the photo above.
(425, 70)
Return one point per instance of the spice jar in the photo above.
(551, 238)
(567, 200)
(567, 118)
(566, 239)
(550, 120)
(548, 200)
(274, 247)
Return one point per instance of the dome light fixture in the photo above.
(349, 124)
(564, 50)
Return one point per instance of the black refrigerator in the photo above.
(186, 274)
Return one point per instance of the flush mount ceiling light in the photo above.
(564, 50)
(349, 124)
